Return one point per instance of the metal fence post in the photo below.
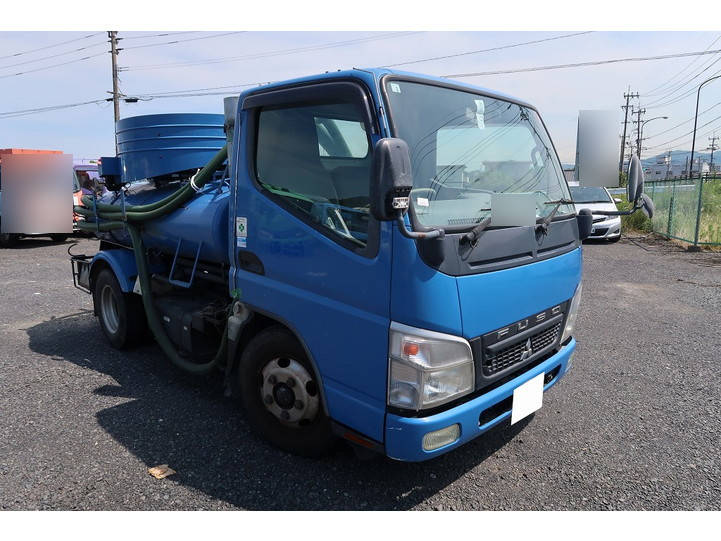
(670, 209)
(698, 212)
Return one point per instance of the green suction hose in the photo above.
(143, 213)
(136, 215)
(156, 326)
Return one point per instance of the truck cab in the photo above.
(408, 334)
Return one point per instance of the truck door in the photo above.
(307, 250)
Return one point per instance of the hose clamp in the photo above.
(192, 182)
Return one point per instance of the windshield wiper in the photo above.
(545, 222)
(472, 236)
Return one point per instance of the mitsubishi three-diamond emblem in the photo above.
(527, 350)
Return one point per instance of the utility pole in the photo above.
(628, 95)
(639, 112)
(712, 148)
(113, 35)
(668, 164)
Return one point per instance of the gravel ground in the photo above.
(634, 425)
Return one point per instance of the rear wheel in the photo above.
(8, 240)
(281, 394)
(121, 315)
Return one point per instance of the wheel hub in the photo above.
(284, 396)
(289, 392)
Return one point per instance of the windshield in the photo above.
(466, 147)
(589, 194)
(87, 179)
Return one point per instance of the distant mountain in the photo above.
(680, 157)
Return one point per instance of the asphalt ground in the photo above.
(636, 424)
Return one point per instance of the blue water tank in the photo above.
(151, 146)
(202, 223)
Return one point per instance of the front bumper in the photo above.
(608, 229)
(404, 435)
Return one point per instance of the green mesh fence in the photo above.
(677, 204)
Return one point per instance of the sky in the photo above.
(87, 131)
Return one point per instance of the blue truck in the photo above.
(384, 257)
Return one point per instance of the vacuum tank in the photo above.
(156, 153)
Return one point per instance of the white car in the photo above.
(598, 198)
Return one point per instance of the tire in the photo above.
(615, 239)
(121, 315)
(59, 237)
(8, 240)
(262, 359)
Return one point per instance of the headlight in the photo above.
(572, 313)
(427, 368)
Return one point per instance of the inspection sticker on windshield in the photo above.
(527, 398)
(241, 231)
(422, 202)
(395, 87)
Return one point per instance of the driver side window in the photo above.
(315, 161)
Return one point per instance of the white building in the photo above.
(664, 169)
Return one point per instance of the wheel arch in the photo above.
(121, 262)
(262, 320)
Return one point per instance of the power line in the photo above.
(509, 46)
(267, 54)
(584, 64)
(191, 90)
(684, 122)
(24, 112)
(655, 103)
(54, 55)
(178, 41)
(50, 46)
(163, 35)
(52, 66)
(686, 134)
(690, 92)
(653, 90)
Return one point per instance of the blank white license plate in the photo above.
(527, 398)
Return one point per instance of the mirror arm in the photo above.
(618, 212)
(432, 234)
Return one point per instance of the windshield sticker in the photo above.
(395, 87)
(422, 202)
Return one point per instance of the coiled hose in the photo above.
(135, 216)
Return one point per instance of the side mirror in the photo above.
(584, 219)
(634, 187)
(647, 207)
(392, 179)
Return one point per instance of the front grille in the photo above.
(492, 364)
(600, 232)
(509, 350)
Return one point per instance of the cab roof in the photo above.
(373, 76)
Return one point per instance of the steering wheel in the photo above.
(334, 220)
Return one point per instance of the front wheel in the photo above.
(614, 239)
(58, 237)
(281, 394)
